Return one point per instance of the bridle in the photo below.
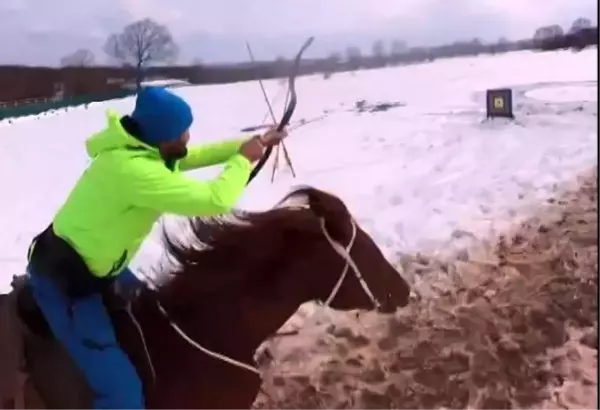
(343, 251)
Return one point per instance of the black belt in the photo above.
(54, 257)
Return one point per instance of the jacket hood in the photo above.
(113, 137)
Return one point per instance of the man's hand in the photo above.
(273, 137)
(123, 290)
(253, 148)
(127, 284)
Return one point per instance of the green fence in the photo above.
(38, 107)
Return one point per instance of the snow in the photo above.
(166, 82)
(565, 94)
(411, 175)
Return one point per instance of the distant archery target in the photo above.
(499, 103)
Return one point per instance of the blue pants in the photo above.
(85, 329)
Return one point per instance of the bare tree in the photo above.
(398, 47)
(353, 57)
(378, 49)
(80, 58)
(142, 43)
(334, 58)
(547, 32)
(281, 61)
(331, 63)
(501, 46)
(548, 37)
(353, 53)
(581, 23)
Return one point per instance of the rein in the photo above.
(343, 251)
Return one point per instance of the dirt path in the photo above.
(510, 324)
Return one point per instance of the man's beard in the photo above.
(175, 154)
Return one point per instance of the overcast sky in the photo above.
(42, 31)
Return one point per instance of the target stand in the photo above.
(499, 103)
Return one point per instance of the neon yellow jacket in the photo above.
(127, 187)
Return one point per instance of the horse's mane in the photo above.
(218, 250)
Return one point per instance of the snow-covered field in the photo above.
(412, 175)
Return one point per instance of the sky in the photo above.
(40, 32)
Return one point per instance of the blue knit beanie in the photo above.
(161, 115)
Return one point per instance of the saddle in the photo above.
(13, 375)
(37, 371)
(28, 348)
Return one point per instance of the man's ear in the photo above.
(185, 137)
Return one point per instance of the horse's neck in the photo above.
(259, 325)
(224, 327)
(218, 328)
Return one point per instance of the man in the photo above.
(134, 178)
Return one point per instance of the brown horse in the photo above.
(235, 283)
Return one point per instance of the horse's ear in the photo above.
(332, 211)
(315, 203)
(296, 199)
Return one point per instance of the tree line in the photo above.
(147, 48)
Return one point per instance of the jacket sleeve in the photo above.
(210, 154)
(149, 184)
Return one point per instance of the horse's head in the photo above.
(342, 264)
(307, 248)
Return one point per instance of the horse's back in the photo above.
(11, 352)
(32, 360)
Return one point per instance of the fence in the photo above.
(38, 106)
